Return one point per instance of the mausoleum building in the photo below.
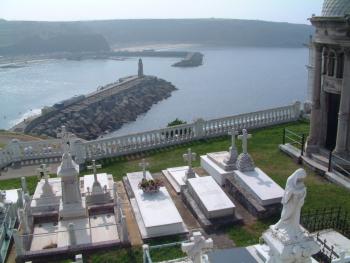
(330, 125)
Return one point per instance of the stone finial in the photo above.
(194, 248)
(143, 164)
(231, 160)
(245, 162)
(189, 157)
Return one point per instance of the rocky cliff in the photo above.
(105, 110)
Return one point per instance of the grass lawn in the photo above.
(263, 147)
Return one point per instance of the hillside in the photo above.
(201, 31)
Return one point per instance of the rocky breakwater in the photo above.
(104, 110)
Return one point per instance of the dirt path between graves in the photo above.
(133, 229)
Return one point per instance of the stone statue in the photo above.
(292, 201)
(288, 242)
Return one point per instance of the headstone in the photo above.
(245, 162)
(231, 160)
(189, 157)
(96, 187)
(287, 240)
(194, 249)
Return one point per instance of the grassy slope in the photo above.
(264, 149)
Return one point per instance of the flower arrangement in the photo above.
(151, 185)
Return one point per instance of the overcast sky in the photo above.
(293, 11)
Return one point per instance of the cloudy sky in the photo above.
(293, 11)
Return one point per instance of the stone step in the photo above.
(338, 179)
(315, 166)
(320, 158)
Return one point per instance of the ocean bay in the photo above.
(231, 81)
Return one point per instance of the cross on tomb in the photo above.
(189, 157)
(143, 164)
(233, 134)
(195, 247)
(94, 168)
(244, 138)
(64, 135)
(44, 172)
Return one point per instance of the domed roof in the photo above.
(336, 8)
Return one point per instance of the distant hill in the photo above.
(120, 32)
(59, 43)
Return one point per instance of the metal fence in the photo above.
(339, 164)
(147, 255)
(297, 140)
(320, 219)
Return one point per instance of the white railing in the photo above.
(51, 151)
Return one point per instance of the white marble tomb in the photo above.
(260, 185)
(156, 213)
(210, 197)
(214, 164)
(176, 177)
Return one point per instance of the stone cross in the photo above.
(189, 157)
(143, 164)
(44, 172)
(244, 138)
(195, 247)
(64, 136)
(94, 168)
(233, 134)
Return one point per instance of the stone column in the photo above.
(313, 140)
(344, 109)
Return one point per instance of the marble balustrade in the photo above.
(46, 151)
